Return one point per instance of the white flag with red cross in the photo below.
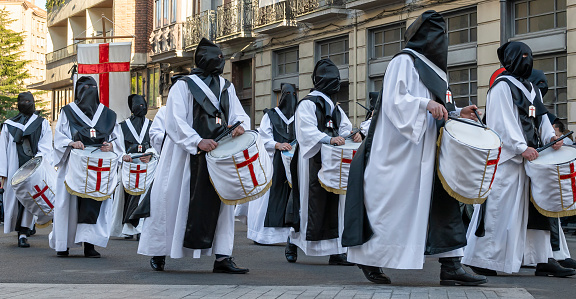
(109, 65)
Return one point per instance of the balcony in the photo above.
(274, 18)
(234, 21)
(167, 43)
(319, 10)
(371, 4)
(60, 54)
(199, 26)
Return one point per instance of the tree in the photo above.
(12, 68)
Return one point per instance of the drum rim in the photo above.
(555, 164)
(256, 134)
(340, 146)
(76, 150)
(471, 146)
(40, 158)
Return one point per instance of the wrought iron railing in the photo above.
(167, 38)
(307, 6)
(234, 18)
(199, 26)
(272, 14)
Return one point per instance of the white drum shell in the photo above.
(138, 176)
(82, 181)
(466, 172)
(336, 160)
(36, 193)
(287, 157)
(233, 184)
(551, 184)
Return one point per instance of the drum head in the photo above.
(95, 153)
(26, 170)
(550, 156)
(350, 144)
(230, 146)
(473, 136)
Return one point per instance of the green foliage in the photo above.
(51, 4)
(12, 67)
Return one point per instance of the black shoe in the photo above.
(553, 268)
(340, 260)
(32, 231)
(23, 243)
(130, 237)
(483, 271)
(157, 263)
(460, 277)
(227, 265)
(375, 274)
(89, 251)
(568, 263)
(291, 252)
(63, 253)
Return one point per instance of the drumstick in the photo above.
(352, 134)
(479, 119)
(466, 122)
(97, 146)
(143, 155)
(364, 107)
(553, 142)
(228, 131)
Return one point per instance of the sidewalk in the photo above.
(21, 290)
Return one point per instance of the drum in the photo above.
(286, 160)
(137, 176)
(240, 168)
(333, 175)
(33, 185)
(92, 174)
(553, 181)
(467, 160)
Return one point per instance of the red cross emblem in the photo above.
(41, 194)
(139, 148)
(329, 124)
(531, 111)
(572, 177)
(448, 96)
(103, 69)
(99, 169)
(137, 171)
(494, 162)
(348, 161)
(218, 121)
(248, 162)
(92, 133)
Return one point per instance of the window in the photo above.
(388, 41)
(166, 9)
(537, 15)
(554, 67)
(158, 14)
(461, 27)
(287, 61)
(464, 85)
(174, 11)
(336, 50)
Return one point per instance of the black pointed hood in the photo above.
(539, 80)
(373, 97)
(139, 108)
(26, 107)
(326, 77)
(208, 58)
(511, 56)
(288, 100)
(427, 36)
(86, 95)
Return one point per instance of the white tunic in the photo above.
(67, 232)
(9, 165)
(403, 154)
(503, 246)
(163, 232)
(158, 129)
(309, 137)
(258, 208)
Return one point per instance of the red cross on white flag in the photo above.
(109, 65)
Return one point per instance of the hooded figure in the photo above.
(267, 215)
(209, 62)
(516, 57)
(139, 109)
(23, 137)
(318, 121)
(86, 95)
(538, 79)
(403, 136)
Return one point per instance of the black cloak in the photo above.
(326, 77)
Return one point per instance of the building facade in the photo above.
(88, 18)
(31, 21)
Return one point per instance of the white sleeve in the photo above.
(307, 132)
(157, 130)
(62, 137)
(4, 141)
(267, 134)
(45, 143)
(365, 126)
(179, 125)
(237, 112)
(119, 134)
(345, 127)
(502, 117)
(404, 110)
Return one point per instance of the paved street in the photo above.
(121, 273)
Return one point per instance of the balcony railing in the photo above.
(273, 14)
(308, 6)
(62, 53)
(168, 38)
(234, 18)
(199, 26)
